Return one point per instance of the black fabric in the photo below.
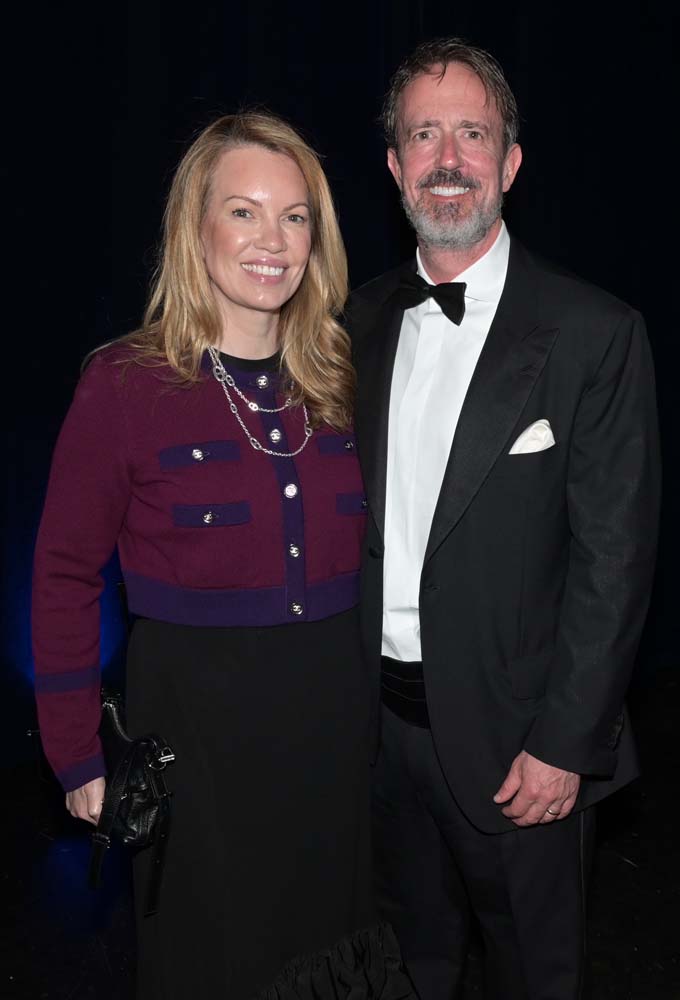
(403, 690)
(449, 295)
(365, 966)
(269, 854)
(526, 887)
(270, 364)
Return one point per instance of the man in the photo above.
(507, 429)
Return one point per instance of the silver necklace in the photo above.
(227, 381)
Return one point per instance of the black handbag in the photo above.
(136, 808)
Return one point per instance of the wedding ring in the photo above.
(551, 813)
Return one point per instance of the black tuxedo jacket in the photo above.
(538, 567)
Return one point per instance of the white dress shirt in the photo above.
(433, 367)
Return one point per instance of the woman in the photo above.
(213, 446)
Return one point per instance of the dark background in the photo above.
(100, 102)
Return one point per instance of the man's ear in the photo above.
(393, 164)
(511, 165)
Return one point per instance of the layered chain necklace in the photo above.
(227, 382)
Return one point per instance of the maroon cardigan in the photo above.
(209, 531)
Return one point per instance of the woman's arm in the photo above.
(87, 498)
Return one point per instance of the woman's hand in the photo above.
(86, 802)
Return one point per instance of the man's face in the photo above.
(450, 165)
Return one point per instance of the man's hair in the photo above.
(438, 53)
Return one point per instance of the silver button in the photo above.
(262, 381)
(291, 490)
(296, 608)
(364, 502)
(294, 550)
(208, 517)
(197, 454)
(275, 435)
(349, 445)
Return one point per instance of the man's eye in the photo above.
(474, 134)
(423, 134)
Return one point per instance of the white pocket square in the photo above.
(537, 437)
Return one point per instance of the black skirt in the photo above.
(268, 858)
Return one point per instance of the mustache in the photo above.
(447, 178)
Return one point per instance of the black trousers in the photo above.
(526, 887)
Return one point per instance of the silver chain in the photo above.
(223, 376)
(225, 379)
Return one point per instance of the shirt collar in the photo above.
(486, 277)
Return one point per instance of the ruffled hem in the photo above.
(365, 966)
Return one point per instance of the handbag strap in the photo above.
(161, 834)
(101, 838)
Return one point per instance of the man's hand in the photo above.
(540, 793)
(86, 802)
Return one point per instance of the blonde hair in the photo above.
(182, 317)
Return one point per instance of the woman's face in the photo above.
(256, 233)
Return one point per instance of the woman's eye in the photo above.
(241, 213)
(297, 218)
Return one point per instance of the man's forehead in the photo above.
(457, 87)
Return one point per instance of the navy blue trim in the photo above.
(210, 515)
(292, 508)
(181, 455)
(351, 503)
(336, 444)
(67, 680)
(260, 607)
(79, 774)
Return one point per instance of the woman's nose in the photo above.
(271, 237)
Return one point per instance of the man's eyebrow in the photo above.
(424, 123)
(481, 126)
(435, 123)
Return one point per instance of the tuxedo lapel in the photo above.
(375, 363)
(513, 357)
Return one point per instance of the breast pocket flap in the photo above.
(336, 444)
(207, 515)
(351, 503)
(197, 453)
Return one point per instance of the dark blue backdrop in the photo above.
(99, 103)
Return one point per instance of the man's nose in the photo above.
(449, 152)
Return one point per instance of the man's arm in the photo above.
(613, 491)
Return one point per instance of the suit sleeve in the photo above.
(87, 496)
(613, 493)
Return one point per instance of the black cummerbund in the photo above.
(403, 690)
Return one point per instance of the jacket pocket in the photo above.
(210, 515)
(528, 673)
(337, 444)
(351, 503)
(180, 456)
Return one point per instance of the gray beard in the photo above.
(439, 227)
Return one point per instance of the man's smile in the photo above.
(448, 192)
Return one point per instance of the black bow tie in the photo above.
(449, 296)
